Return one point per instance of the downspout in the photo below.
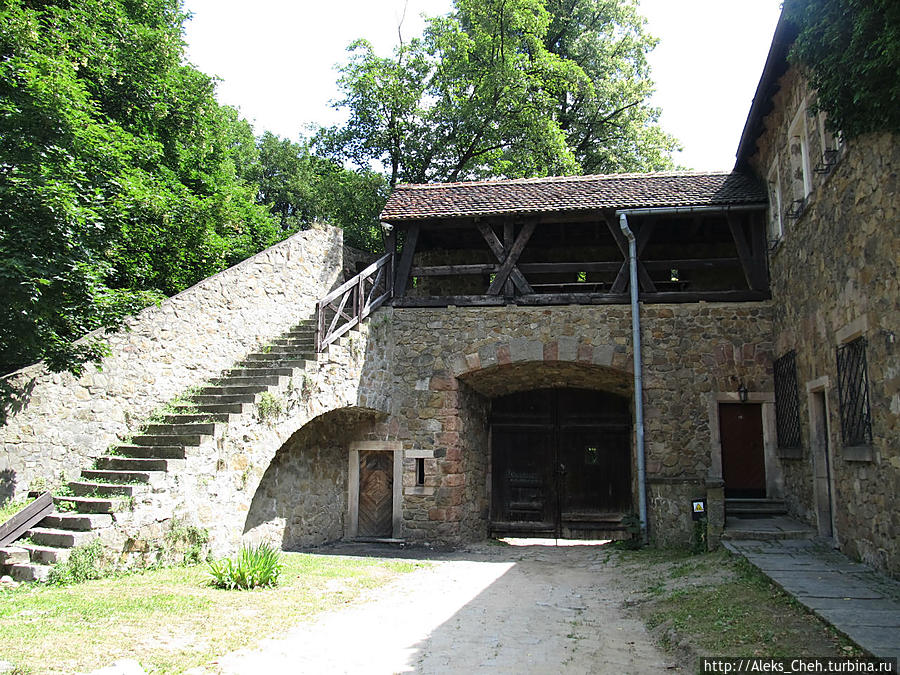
(638, 375)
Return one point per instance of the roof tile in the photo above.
(571, 193)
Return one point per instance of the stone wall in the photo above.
(166, 349)
(447, 364)
(834, 276)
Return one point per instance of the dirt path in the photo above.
(491, 609)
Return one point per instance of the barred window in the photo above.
(853, 389)
(787, 401)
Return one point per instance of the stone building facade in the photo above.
(834, 242)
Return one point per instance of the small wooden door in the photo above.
(376, 494)
(743, 455)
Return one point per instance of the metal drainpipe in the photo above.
(636, 328)
(638, 374)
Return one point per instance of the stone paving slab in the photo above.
(856, 600)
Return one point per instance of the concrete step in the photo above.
(45, 536)
(191, 428)
(150, 452)
(269, 380)
(87, 488)
(91, 504)
(13, 555)
(761, 507)
(81, 522)
(29, 572)
(141, 464)
(198, 418)
(116, 476)
(169, 440)
(46, 555)
(204, 401)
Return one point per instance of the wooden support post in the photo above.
(509, 232)
(752, 260)
(642, 237)
(406, 260)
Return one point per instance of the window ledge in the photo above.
(790, 453)
(858, 453)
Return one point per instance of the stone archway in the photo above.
(301, 500)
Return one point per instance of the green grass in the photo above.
(720, 605)
(171, 619)
(11, 508)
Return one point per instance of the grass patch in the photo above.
(11, 508)
(715, 604)
(171, 619)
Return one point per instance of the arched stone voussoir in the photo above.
(502, 379)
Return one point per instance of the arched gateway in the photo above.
(560, 462)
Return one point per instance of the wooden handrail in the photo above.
(23, 521)
(364, 293)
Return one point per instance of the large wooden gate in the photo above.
(561, 462)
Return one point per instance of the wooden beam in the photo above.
(497, 248)
(749, 263)
(25, 519)
(453, 270)
(446, 300)
(512, 257)
(641, 239)
(509, 233)
(406, 259)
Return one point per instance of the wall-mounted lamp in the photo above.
(742, 393)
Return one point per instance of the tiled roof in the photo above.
(571, 193)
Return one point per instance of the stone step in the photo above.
(88, 488)
(220, 408)
(13, 555)
(306, 342)
(46, 555)
(285, 349)
(269, 380)
(762, 507)
(205, 417)
(260, 372)
(205, 400)
(29, 572)
(150, 452)
(169, 440)
(45, 536)
(224, 390)
(191, 428)
(81, 522)
(286, 363)
(115, 476)
(115, 463)
(91, 504)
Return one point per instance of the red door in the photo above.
(743, 459)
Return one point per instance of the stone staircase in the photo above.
(761, 520)
(149, 459)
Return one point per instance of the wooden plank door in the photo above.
(743, 458)
(376, 494)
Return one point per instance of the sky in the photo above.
(276, 60)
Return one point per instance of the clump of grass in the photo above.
(254, 567)
(11, 508)
(268, 406)
(84, 563)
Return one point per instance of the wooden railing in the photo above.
(349, 304)
(25, 519)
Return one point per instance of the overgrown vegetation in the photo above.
(269, 406)
(12, 507)
(84, 563)
(171, 620)
(851, 49)
(256, 566)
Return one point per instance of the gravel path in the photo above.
(489, 609)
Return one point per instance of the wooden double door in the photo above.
(560, 462)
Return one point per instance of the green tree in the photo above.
(851, 49)
(299, 188)
(118, 178)
(489, 91)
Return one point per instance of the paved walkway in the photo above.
(860, 603)
(536, 609)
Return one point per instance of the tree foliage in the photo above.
(300, 188)
(505, 88)
(851, 49)
(117, 173)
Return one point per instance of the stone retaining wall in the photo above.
(165, 350)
